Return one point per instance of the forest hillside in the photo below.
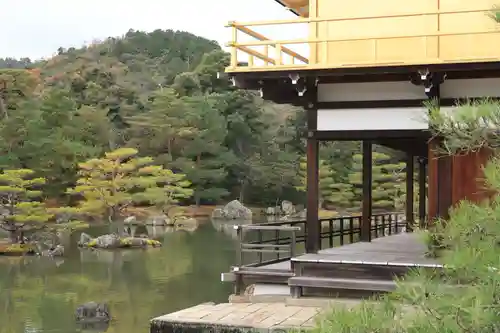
(159, 92)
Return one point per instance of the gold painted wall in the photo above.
(367, 50)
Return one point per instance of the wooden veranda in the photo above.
(274, 253)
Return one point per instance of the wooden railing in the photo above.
(275, 242)
(320, 58)
(265, 56)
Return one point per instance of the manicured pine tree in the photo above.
(19, 195)
(116, 181)
(334, 194)
(387, 181)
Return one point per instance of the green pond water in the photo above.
(41, 294)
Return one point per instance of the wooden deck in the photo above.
(398, 250)
(355, 270)
(401, 249)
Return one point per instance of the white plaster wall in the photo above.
(471, 88)
(369, 91)
(414, 118)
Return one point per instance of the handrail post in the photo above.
(330, 232)
(277, 234)
(234, 49)
(239, 254)
(341, 230)
(279, 56)
(259, 239)
(383, 225)
(389, 220)
(266, 52)
(351, 230)
(293, 243)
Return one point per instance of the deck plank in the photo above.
(401, 249)
(264, 317)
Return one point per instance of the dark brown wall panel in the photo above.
(432, 186)
(466, 183)
(468, 177)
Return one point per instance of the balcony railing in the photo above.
(274, 242)
(436, 39)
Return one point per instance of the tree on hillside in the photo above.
(341, 197)
(164, 126)
(48, 136)
(210, 66)
(114, 182)
(245, 126)
(21, 63)
(19, 195)
(275, 162)
(326, 182)
(387, 179)
(203, 156)
(16, 85)
(339, 154)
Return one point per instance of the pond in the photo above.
(41, 294)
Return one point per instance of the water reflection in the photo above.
(41, 294)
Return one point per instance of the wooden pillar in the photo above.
(444, 186)
(410, 217)
(422, 191)
(313, 227)
(366, 219)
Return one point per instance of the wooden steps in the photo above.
(352, 271)
(348, 276)
(340, 283)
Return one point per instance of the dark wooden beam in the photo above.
(410, 219)
(422, 191)
(366, 219)
(372, 104)
(416, 146)
(359, 135)
(313, 226)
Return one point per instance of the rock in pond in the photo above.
(57, 251)
(92, 312)
(234, 210)
(113, 241)
(130, 219)
(287, 207)
(160, 220)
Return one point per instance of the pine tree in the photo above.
(204, 158)
(387, 181)
(341, 197)
(114, 182)
(329, 191)
(18, 195)
(164, 125)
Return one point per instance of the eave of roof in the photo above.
(292, 10)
